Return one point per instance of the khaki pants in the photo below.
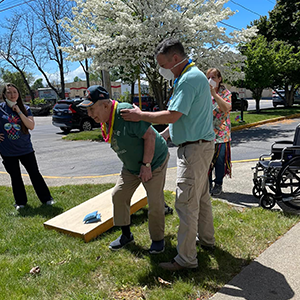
(125, 187)
(193, 203)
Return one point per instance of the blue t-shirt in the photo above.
(15, 142)
(192, 98)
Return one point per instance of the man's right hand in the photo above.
(133, 114)
(145, 173)
(1, 137)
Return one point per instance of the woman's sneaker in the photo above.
(17, 207)
(217, 190)
(50, 202)
(120, 242)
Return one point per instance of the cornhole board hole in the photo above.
(70, 222)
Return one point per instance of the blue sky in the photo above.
(246, 11)
(244, 17)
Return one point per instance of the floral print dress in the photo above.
(221, 120)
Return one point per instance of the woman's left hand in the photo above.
(212, 90)
(16, 108)
(27, 121)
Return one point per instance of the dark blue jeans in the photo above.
(12, 166)
(219, 167)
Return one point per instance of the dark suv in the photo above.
(67, 115)
(236, 102)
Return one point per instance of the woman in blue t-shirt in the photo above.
(15, 147)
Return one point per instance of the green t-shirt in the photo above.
(191, 97)
(128, 143)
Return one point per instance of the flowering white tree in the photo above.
(126, 32)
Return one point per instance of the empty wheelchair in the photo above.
(276, 176)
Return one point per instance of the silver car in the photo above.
(277, 100)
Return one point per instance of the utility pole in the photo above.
(242, 96)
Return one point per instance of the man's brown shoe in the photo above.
(171, 266)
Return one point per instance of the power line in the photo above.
(9, 3)
(245, 8)
(230, 26)
(271, 1)
(13, 6)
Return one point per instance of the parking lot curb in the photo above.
(240, 127)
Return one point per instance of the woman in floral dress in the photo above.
(221, 99)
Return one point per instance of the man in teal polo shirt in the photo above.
(190, 118)
(144, 154)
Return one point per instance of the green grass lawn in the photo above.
(265, 114)
(248, 117)
(72, 269)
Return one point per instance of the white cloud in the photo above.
(69, 77)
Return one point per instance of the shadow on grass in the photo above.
(219, 266)
(45, 211)
(137, 219)
(224, 268)
(238, 198)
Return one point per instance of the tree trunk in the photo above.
(62, 91)
(106, 81)
(87, 74)
(132, 91)
(27, 85)
(157, 89)
(257, 108)
(256, 94)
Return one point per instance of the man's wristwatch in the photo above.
(148, 165)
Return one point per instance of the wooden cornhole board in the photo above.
(70, 222)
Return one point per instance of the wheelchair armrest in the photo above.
(282, 142)
(291, 148)
(277, 147)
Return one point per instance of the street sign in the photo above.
(242, 93)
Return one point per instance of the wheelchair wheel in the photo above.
(267, 201)
(257, 191)
(288, 185)
(292, 206)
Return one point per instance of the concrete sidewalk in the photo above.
(274, 275)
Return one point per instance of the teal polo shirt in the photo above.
(128, 143)
(192, 98)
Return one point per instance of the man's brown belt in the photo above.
(194, 142)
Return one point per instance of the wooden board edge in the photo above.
(138, 205)
(67, 232)
(94, 233)
(109, 223)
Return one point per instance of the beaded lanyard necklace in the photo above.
(107, 136)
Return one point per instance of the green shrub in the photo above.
(37, 101)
